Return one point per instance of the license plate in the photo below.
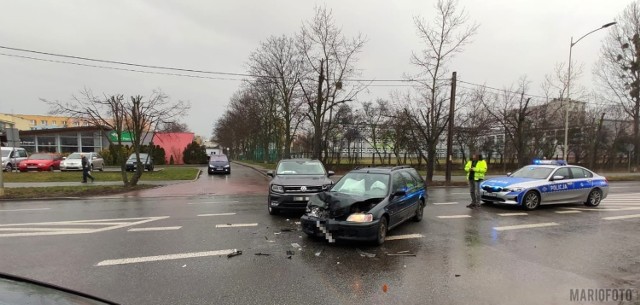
(300, 198)
(32, 167)
(490, 194)
(219, 168)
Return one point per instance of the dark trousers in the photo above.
(85, 175)
(474, 190)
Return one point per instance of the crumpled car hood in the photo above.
(338, 204)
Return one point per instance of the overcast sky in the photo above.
(516, 37)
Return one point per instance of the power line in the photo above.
(120, 69)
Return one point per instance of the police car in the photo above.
(546, 182)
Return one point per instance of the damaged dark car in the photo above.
(365, 204)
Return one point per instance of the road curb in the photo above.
(262, 172)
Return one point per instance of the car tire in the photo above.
(50, 169)
(419, 212)
(530, 200)
(8, 167)
(594, 199)
(102, 168)
(272, 210)
(382, 231)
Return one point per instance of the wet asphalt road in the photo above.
(463, 256)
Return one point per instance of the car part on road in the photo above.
(401, 254)
(365, 254)
(234, 253)
(262, 254)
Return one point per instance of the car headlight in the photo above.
(41, 164)
(514, 189)
(277, 188)
(211, 165)
(226, 166)
(360, 217)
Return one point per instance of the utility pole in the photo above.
(317, 124)
(452, 107)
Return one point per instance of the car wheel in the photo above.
(531, 200)
(382, 231)
(272, 210)
(419, 212)
(8, 167)
(594, 199)
(50, 169)
(102, 168)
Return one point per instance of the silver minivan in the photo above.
(11, 156)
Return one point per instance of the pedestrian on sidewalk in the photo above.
(475, 168)
(86, 170)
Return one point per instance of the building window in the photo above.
(86, 123)
(32, 122)
(54, 123)
(43, 122)
(64, 123)
(76, 124)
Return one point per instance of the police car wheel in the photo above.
(595, 196)
(531, 200)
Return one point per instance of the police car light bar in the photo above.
(549, 162)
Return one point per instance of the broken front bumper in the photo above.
(339, 229)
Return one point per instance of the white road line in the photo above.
(235, 225)
(439, 203)
(154, 229)
(39, 229)
(219, 214)
(108, 224)
(454, 216)
(212, 202)
(605, 209)
(622, 217)
(513, 214)
(527, 226)
(406, 236)
(19, 210)
(144, 259)
(568, 212)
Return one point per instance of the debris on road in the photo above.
(276, 233)
(318, 253)
(457, 275)
(262, 254)
(234, 253)
(296, 245)
(297, 222)
(363, 254)
(184, 266)
(407, 251)
(288, 219)
(266, 238)
(385, 288)
(286, 230)
(400, 254)
(289, 252)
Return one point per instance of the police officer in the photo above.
(475, 168)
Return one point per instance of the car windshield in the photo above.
(5, 153)
(218, 158)
(363, 184)
(74, 156)
(142, 156)
(300, 168)
(41, 157)
(533, 172)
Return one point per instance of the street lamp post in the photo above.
(566, 108)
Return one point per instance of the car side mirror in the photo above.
(509, 174)
(557, 178)
(270, 174)
(330, 173)
(399, 193)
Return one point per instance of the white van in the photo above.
(11, 156)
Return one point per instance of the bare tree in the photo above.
(330, 57)
(373, 116)
(511, 109)
(113, 113)
(443, 38)
(279, 62)
(173, 127)
(618, 69)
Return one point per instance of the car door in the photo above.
(397, 203)
(560, 190)
(583, 182)
(413, 195)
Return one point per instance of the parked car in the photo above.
(365, 204)
(40, 162)
(546, 182)
(219, 164)
(12, 156)
(74, 161)
(294, 182)
(144, 158)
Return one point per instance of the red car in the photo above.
(40, 162)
